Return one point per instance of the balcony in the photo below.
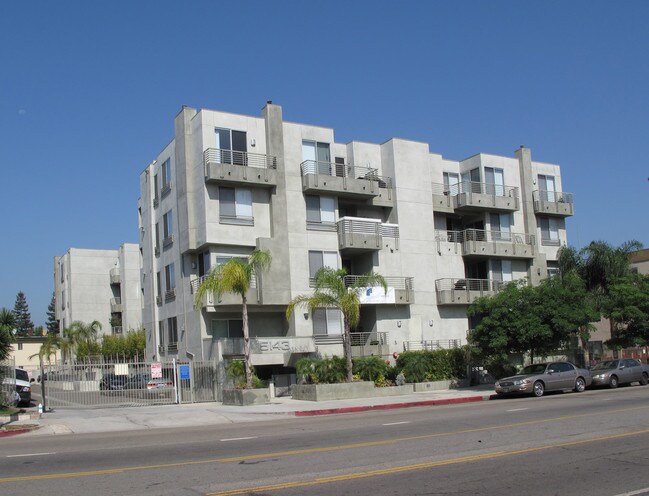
(170, 294)
(115, 305)
(464, 291)
(114, 275)
(471, 196)
(481, 243)
(210, 301)
(347, 181)
(553, 203)
(370, 344)
(401, 291)
(232, 168)
(356, 234)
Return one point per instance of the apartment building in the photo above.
(441, 232)
(101, 285)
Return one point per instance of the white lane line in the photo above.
(397, 423)
(633, 493)
(30, 454)
(238, 439)
(517, 410)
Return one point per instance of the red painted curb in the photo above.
(13, 432)
(351, 409)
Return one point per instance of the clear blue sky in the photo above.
(88, 92)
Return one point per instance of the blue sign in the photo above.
(184, 371)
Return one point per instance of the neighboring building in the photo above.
(442, 232)
(101, 285)
(25, 351)
(640, 261)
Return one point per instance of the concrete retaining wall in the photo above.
(244, 397)
(343, 391)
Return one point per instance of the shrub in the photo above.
(322, 370)
(236, 372)
(435, 365)
(370, 368)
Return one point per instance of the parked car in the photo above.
(612, 373)
(112, 382)
(147, 386)
(540, 377)
(23, 387)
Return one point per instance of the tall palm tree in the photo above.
(235, 276)
(7, 324)
(332, 292)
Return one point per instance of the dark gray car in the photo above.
(612, 373)
(540, 377)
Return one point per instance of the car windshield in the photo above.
(608, 365)
(538, 368)
(22, 375)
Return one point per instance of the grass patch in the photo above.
(8, 410)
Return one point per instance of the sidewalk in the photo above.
(93, 420)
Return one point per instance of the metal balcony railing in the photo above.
(432, 344)
(234, 157)
(478, 285)
(170, 294)
(475, 187)
(359, 225)
(343, 170)
(193, 285)
(400, 283)
(497, 236)
(552, 196)
(115, 275)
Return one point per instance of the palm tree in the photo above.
(332, 292)
(51, 345)
(7, 324)
(80, 332)
(235, 276)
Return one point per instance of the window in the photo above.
(235, 206)
(156, 194)
(166, 175)
(170, 282)
(501, 229)
(546, 188)
(230, 146)
(20, 346)
(494, 181)
(62, 270)
(167, 229)
(161, 332)
(317, 158)
(320, 212)
(203, 263)
(319, 259)
(158, 287)
(327, 321)
(451, 183)
(553, 268)
(172, 330)
(501, 271)
(471, 181)
(156, 250)
(549, 231)
(226, 329)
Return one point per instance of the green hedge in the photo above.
(436, 365)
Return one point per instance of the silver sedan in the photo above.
(611, 373)
(540, 377)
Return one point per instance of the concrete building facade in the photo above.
(101, 285)
(441, 232)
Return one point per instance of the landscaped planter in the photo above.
(421, 387)
(245, 397)
(340, 391)
(394, 390)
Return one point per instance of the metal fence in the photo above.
(7, 381)
(120, 384)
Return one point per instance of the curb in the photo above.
(352, 409)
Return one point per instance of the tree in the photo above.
(24, 322)
(627, 305)
(332, 292)
(80, 339)
(7, 325)
(537, 320)
(49, 348)
(235, 276)
(52, 324)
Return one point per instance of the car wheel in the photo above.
(613, 382)
(644, 380)
(538, 389)
(580, 385)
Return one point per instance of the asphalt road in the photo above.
(593, 443)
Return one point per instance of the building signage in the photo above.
(284, 346)
(184, 371)
(377, 295)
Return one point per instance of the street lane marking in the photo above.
(517, 410)
(30, 454)
(634, 493)
(397, 423)
(419, 466)
(323, 449)
(237, 439)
